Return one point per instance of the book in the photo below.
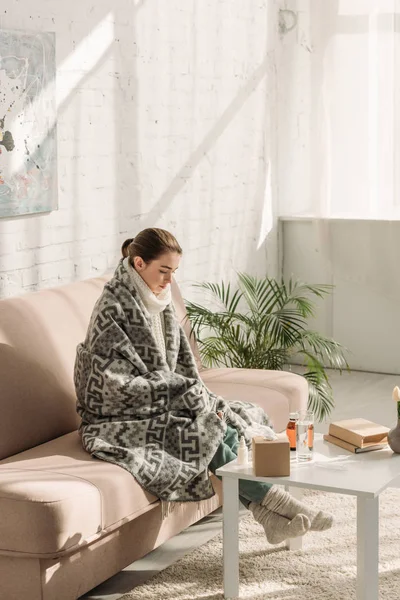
(351, 447)
(359, 432)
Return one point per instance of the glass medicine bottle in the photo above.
(291, 430)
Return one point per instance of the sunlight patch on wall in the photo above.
(70, 73)
(267, 219)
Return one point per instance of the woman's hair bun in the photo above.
(124, 247)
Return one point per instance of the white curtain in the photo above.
(339, 124)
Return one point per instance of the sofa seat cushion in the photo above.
(56, 497)
(277, 392)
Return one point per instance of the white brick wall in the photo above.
(165, 118)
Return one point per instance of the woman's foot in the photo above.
(281, 502)
(278, 528)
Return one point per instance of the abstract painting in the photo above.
(28, 136)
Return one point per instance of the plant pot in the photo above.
(394, 438)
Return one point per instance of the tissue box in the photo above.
(271, 458)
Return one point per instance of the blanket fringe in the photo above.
(167, 508)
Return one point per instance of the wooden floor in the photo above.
(356, 394)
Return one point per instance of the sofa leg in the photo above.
(20, 578)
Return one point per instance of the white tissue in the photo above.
(263, 430)
(335, 462)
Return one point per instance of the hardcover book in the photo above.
(359, 432)
(351, 447)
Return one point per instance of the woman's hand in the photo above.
(221, 415)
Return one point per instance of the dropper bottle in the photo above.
(243, 453)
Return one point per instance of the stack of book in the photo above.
(357, 435)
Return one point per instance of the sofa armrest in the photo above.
(277, 392)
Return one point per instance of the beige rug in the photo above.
(324, 570)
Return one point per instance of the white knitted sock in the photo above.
(281, 502)
(277, 528)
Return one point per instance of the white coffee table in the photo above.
(365, 475)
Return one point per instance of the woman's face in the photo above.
(158, 273)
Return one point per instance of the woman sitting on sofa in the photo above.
(144, 406)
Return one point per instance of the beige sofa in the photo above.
(69, 521)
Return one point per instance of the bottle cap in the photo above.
(293, 416)
(241, 441)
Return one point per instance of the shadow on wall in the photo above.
(187, 170)
(265, 244)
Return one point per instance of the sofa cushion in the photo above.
(39, 333)
(56, 496)
(277, 392)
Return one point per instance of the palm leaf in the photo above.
(223, 294)
(274, 359)
(284, 327)
(296, 288)
(320, 396)
(329, 351)
(201, 317)
(213, 351)
(229, 351)
(261, 295)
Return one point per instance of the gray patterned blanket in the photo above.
(151, 416)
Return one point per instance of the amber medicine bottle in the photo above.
(291, 430)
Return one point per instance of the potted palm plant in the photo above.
(262, 324)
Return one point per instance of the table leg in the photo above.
(230, 487)
(367, 548)
(295, 543)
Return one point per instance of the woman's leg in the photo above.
(271, 496)
(284, 504)
(278, 528)
(249, 491)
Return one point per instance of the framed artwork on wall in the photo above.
(28, 123)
